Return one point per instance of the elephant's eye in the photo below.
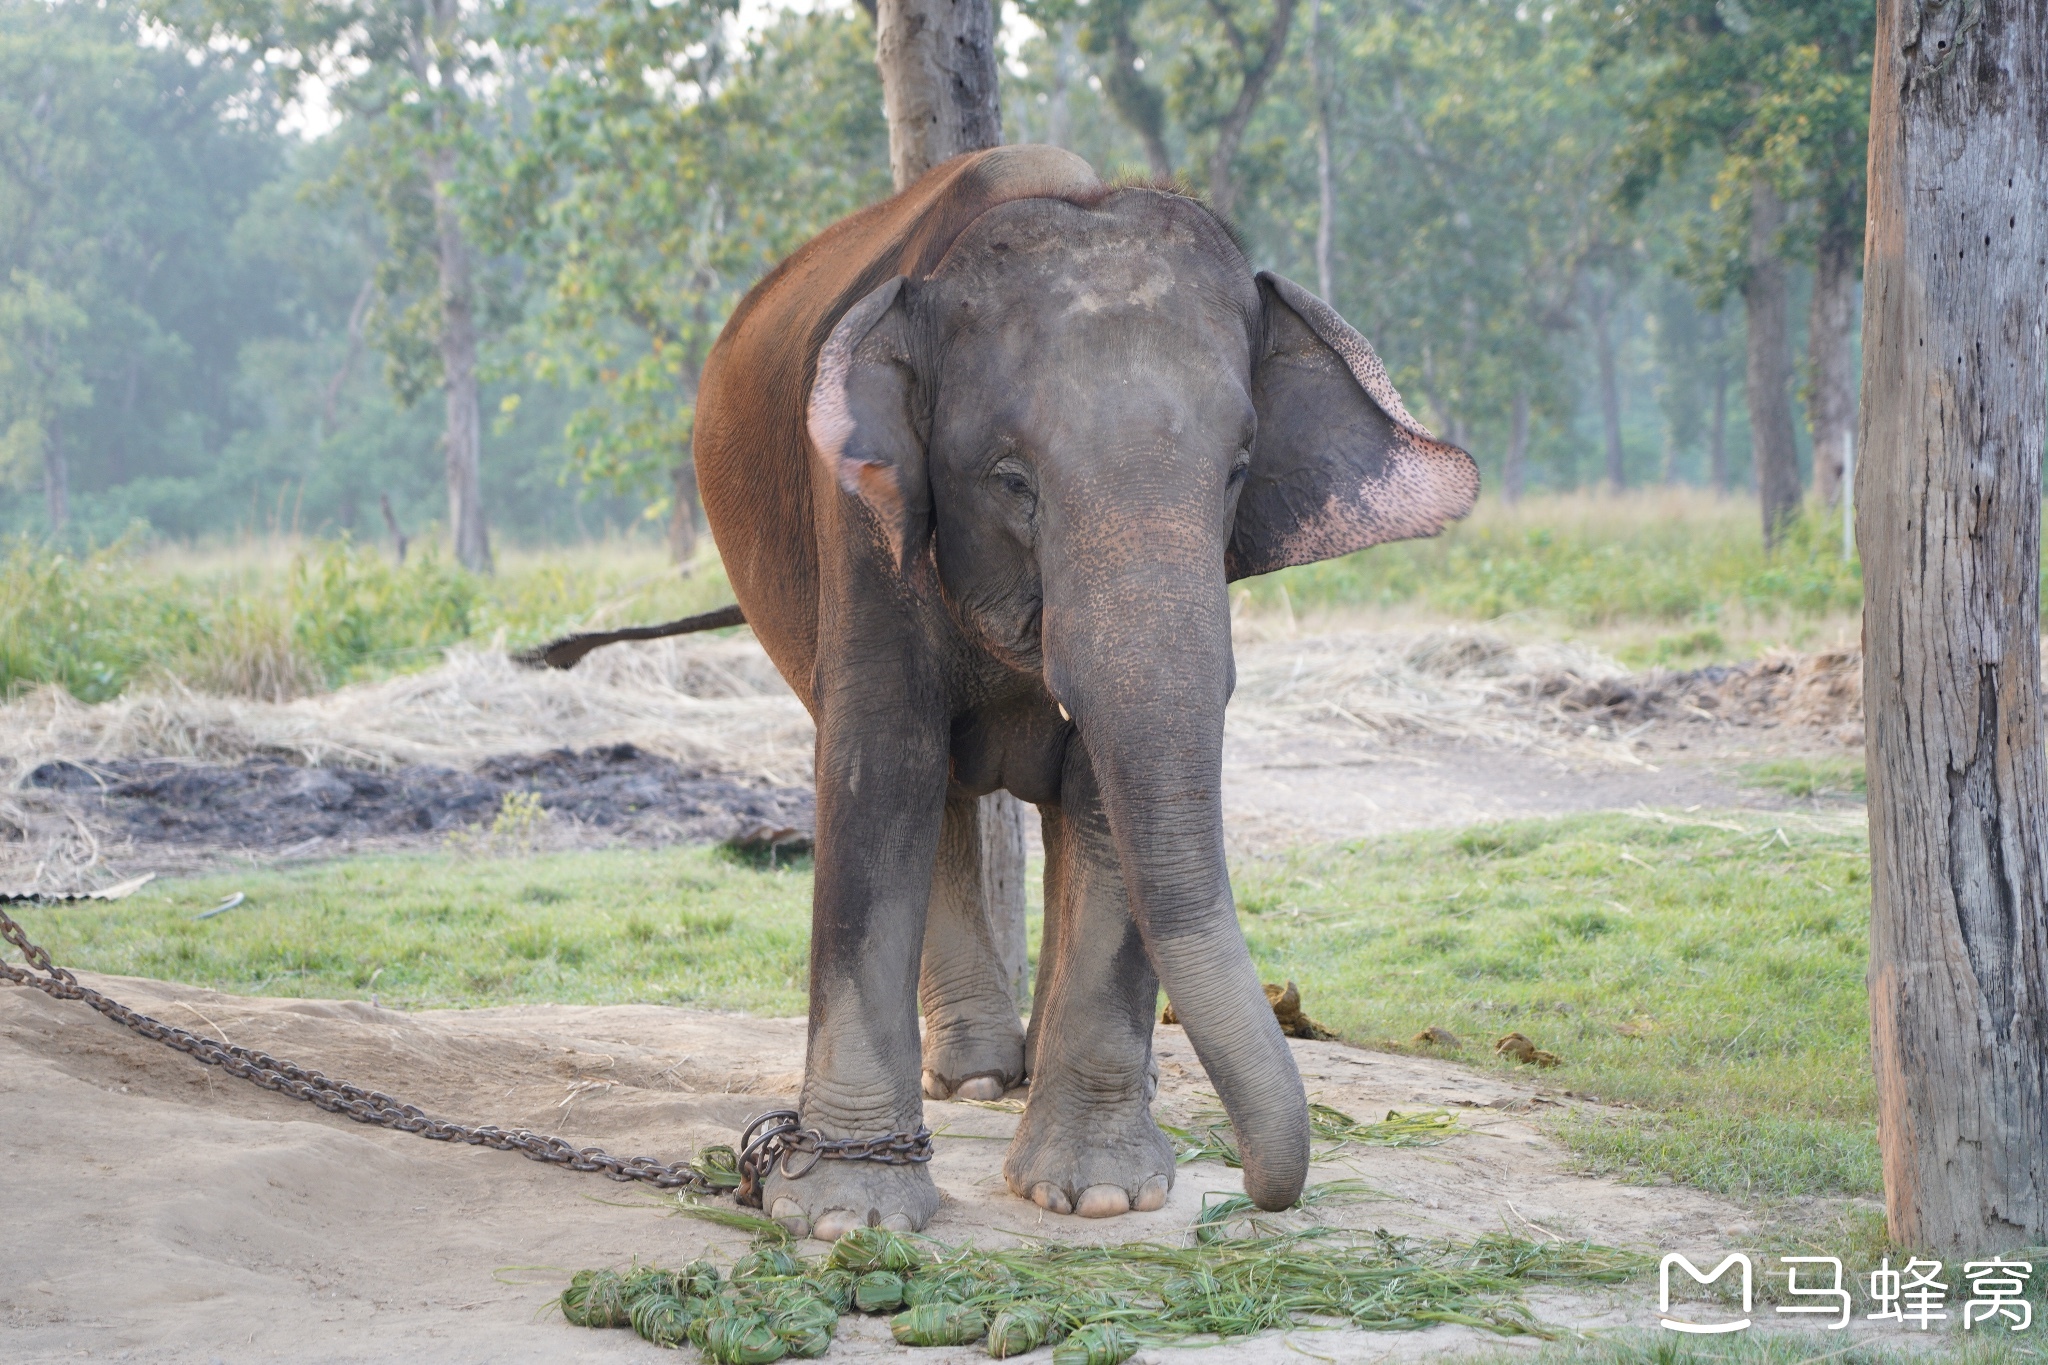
(1013, 479)
(1240, 466)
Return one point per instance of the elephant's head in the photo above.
(1092, 415)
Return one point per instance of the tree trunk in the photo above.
(1516, 460)
(939, 86)
(1610, 385)
(1949, 502)
(1717, 424)
(1831, 410)
(56, 478)
(1256, 76)
(463, 441)
(1326, 182)
(1137, 101)
(1775, 450)
(682, 512)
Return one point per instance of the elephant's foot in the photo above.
(972, 1060)
(1094, 1161)
(835, 1197)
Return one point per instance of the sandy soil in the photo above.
(161, 1211)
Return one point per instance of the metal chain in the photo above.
(776, 1136)
(716, 1175)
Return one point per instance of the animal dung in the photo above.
(1516, 1047)
(1286, 1003)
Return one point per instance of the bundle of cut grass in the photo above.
(1097, 1303)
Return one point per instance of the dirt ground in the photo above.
(161, 1211)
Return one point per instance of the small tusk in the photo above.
(1063, 711)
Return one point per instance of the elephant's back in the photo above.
(754, 460)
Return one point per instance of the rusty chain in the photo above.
(770, 1139)
(776, 1136)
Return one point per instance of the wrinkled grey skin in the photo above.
(1030, 487)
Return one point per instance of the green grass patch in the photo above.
(1809, 776)
(677, 926)
(280, 621)
(1588, 561)
(1707, 972)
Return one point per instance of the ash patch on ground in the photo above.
(619, 794)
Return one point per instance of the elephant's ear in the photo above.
(862, 422)
(1338, 464)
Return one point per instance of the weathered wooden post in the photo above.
(1948, 502)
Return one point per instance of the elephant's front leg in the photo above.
(973, 1042)
(881, 787)
(1087, 1143)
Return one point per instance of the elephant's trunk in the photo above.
(1141, 659)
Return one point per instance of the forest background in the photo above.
(294, 266)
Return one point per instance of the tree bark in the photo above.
(56, 478)
(1948, 502)
(1775, 450)
(1515, 462)
(1602, 299)
(463, 441)
(939, 83)
(1831, 408)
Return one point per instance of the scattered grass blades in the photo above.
(1098, 1303)
(1210, 1139)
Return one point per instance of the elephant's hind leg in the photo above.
(1087, 1143)
(974, 955)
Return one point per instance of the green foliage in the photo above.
(1641, 566)
(332, 613)
(1809, 776)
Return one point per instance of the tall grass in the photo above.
(1583, 559)
(277, 620)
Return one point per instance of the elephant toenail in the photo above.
(979, 1088)
(1151, 1195)
(833, 1224)
(896, 1222)
(1050, 1197)
(791, 1215)
(935, 1087)
(1103, 1201)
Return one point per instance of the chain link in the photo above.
(769, 1140)
(717, 1173)
(776, 1136)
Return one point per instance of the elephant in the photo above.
(981, 460)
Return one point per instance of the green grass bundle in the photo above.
(1020, 1329)
(769, 1263)
(1099, 1343)
(939, 1324)
(938, 1286)
(662, 1319)
(834, 1286)
(878, 1291)
(596, 1298)
(697, 1280)
(805, 1322)
(742, 1339)
(866, 1249)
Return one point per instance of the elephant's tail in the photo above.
(568, 651)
